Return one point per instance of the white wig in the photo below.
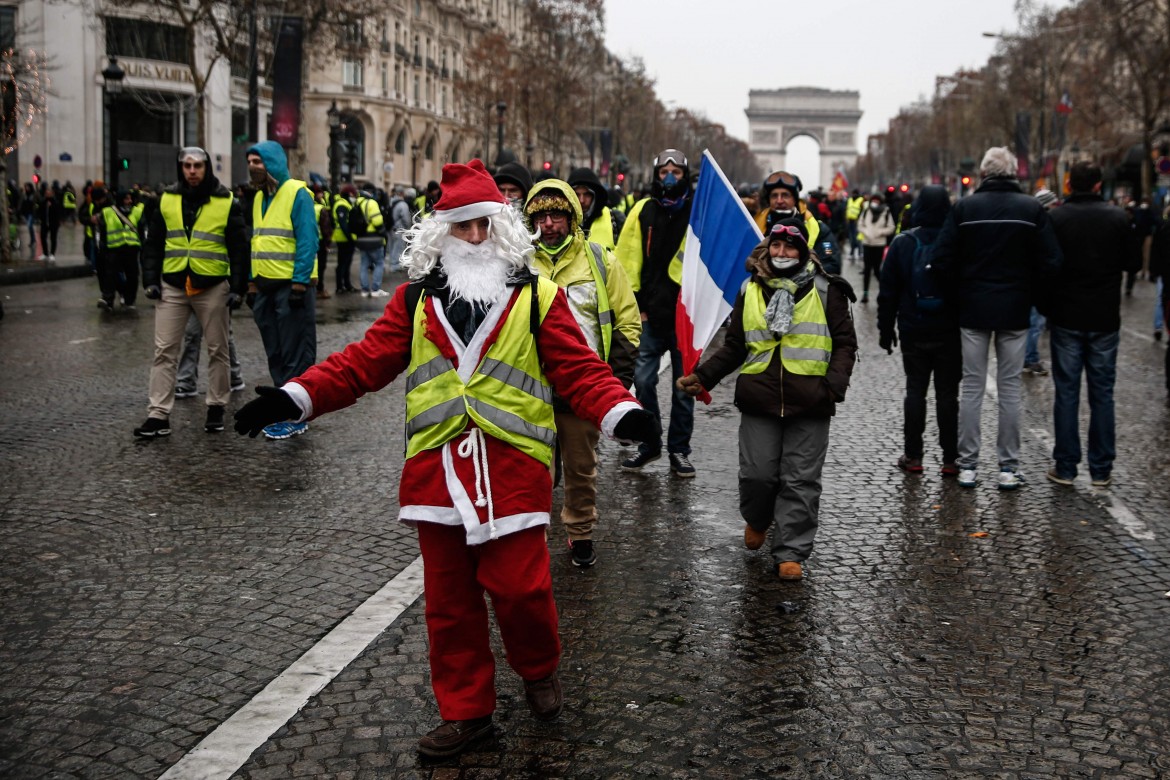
(998, 162)
(424, 242)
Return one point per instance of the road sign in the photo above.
(37, 161)
(1163, 165)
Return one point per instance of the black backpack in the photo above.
(924, 282)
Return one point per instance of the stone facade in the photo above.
(776, 116)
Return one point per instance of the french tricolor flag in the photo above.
(720, 236)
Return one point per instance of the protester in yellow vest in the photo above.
(342, 205)
(194, 262)
(852, 214)
(650, 248)
(283, 290)
(792, 336)
(119, 240)
(484, 343)
(603, 305)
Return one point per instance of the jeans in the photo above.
(394, 253)
(1158, 313)
(187, 377)
(1094, 354)
(372, 267)
(1036, 323)
(1009, 355)
(682, 406)
(943, 357)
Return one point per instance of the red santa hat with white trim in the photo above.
(469, 192)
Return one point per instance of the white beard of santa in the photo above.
(475, 272)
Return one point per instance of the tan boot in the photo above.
(790, 570)
(753, 539)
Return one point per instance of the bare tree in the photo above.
(24, 88)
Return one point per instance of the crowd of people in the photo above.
(533, 321)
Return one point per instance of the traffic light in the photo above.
(123, 163)
(964, 184)
(547, 165)
(349, 155)
(620, 178)
(36, 179)
(904, 188)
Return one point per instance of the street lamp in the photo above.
(413, 164)
(112, 76)
(334, 154)
(501, 107)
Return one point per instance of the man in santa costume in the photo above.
(484, 343)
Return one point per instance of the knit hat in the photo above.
(515, 173)
(469, 192)
(547, 200)
(1046, 197)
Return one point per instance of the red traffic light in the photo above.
(890, 188)
(621, 177)
(548, 165)
(36, 178)
(905, 188)
(966, 180)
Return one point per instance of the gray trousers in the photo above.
(1009, 358)
(187, 377)
(780, 462)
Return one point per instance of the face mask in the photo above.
(784, 263)
(670, 180)
(877, 204)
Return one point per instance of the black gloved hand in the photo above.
(888, 341)
(273, 406)
(296, 299)
(154, 292)
(250, 299)
(638, 425)
(233, 302)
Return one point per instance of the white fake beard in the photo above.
(475, 272)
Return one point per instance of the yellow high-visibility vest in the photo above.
(206, 250)
(804, 349)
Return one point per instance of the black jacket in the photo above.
(996, 250)
(898, 297)
(663, 231)
(236, 235)
(1098, 247)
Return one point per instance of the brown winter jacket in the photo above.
(776, 392)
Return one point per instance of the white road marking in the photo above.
(225, 750)
(85, 341)
(1137, 334)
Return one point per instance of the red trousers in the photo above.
(514, 571)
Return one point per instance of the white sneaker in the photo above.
(1009, 480)
(967, 477)
(365, 293)
(52, 258)
(379, 294)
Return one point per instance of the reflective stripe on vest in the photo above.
(507, 396)
(604, 309)
(317, 209)
(807, 346)
(274, 243)
(118, 233)
(206, 251)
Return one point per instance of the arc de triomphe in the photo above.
(776, 116)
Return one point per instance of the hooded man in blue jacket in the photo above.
(928, 326)
(282, 291)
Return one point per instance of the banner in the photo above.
(287, 62)
(1023, 133)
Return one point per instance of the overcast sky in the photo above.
(705, 55)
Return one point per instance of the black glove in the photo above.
(638, 425)
(888, 341)
(250, 299)
(273, 406)
(234, 301)
(154, 292)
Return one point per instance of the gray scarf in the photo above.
(778, 315)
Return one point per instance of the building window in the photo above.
(7, 28)
(418, 8)
(351, 73)
(385, 78)
(352, 33)
(400, 142)
(431, 149)
(145, 40)
(417, 91)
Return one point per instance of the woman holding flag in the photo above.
(791, 334)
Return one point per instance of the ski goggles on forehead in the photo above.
(193, 153)
(782, 178)
(671, 156)
(790, 233)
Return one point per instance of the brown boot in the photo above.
(452, 737)
(323, 294)
(544, 697)
(790, 570)
(753, 539)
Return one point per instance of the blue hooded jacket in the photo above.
(304, 218)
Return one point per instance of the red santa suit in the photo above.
(498, 546)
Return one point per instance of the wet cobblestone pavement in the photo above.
(150, 590)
